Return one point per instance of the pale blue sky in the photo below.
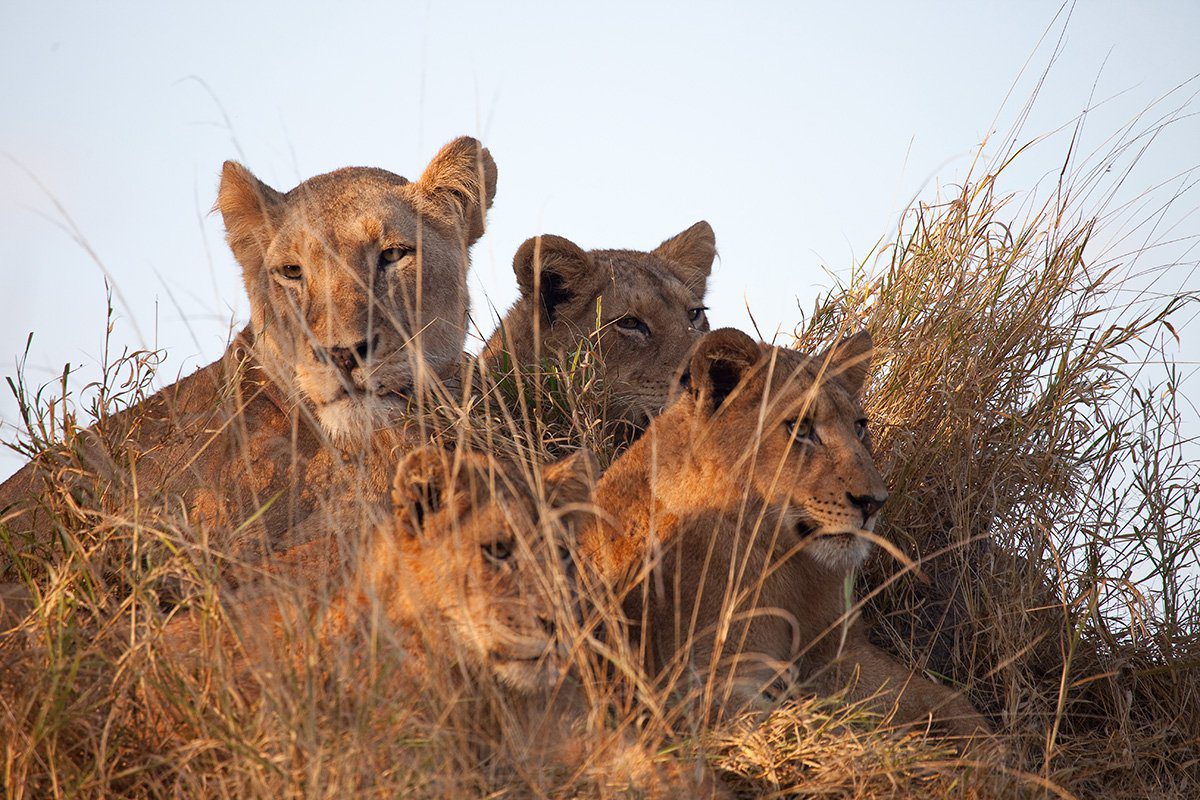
(798, 130)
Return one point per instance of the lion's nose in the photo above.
(868, 504)
(347, 358)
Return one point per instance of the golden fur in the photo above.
(463, 563)
(357, 278)
(357, 284)
(642, 310)
(751, 501)
(473, 566)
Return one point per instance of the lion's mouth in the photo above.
(527, 652)
(546, 662)
(403, 393)
(806, 529)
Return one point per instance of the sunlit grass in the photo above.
(1040, 480)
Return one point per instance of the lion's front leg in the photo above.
(869, 674)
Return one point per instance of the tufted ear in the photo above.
(690, 255)
(551, 268)
(421, 488)
(719, 362)
(849, 360)
(248, 207)
(461, 184)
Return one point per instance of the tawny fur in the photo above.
(569, 296)
(259, 434)
(730, 528)
(472, 565)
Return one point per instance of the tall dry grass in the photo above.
(1041, 485)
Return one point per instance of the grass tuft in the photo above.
(1041, 480)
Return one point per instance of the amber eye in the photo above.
(293, 272)
(800, 429)
(860, 429)
(498, 552)
(392, 255)
(696, 313)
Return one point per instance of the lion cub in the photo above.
(740, 516)
(470, 578)
(357, 287)
(466, 559)
(642, 310)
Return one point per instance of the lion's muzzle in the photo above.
(347, 359)
(868, 504)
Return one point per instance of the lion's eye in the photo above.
(293, 272)
(696, 313)
(498, 552)
(860, 428)
(632, 323)
(392, 255)
(799, 428)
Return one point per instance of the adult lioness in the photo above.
(357, 286)
(468, 581)
(642, 311)
(752, 499)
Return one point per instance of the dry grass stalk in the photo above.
(1044, 494)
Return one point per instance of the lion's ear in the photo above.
(461, 183)
(570, 480)
(569, 483)
(849, 360)
(690, 255)
(248, 207)
(420, 488)
(719, 362)
(551, 268)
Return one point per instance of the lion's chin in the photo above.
(355, 417)
(837, 549)
(528, 676)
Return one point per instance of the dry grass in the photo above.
(1040, 482)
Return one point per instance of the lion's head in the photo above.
(642, 311)
(486, 557)
(357, 278)
(790, 425)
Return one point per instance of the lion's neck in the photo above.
(656, 490)
(662, 470)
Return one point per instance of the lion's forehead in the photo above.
(499, 516)
(348, 184)
(495, 500)
(342, 229)
(350, 208)
(638, 281)
(795, 389)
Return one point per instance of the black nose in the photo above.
(868, 504)
(347, 358)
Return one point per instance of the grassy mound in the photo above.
(1042, 493)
